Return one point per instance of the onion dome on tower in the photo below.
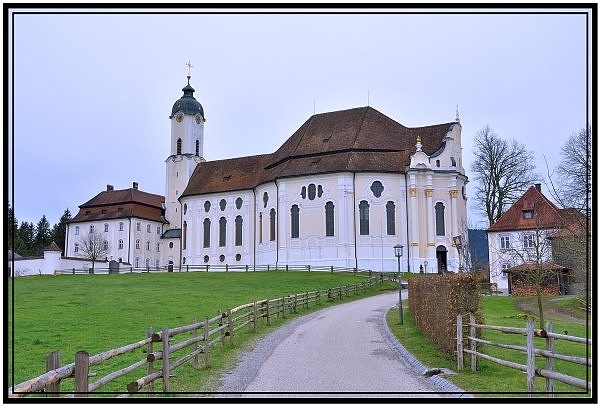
(187, 104)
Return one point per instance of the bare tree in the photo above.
(93, 246)
(503, 170)
(571, 187)
(533, 254)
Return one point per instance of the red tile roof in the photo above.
(545, 214)
(359, 139)
(125, 203)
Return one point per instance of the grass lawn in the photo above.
(100, 312)
(494, 380)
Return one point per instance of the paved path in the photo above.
(330, 353)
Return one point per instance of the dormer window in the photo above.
(527, 214)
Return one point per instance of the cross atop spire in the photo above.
(457, 119)
(189, 66)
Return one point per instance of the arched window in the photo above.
(147, 263)
(390, 210)
(238, 230)
(184, 235)
(147, 245)
(157, 247)
(91, 228)
(329, 222)
(197, 148)
(105, 245)
(76, 247)
(437, 163)
(76, 230)
(178, 146)
(452, 161)
(440, 227)
(206, 225)
(295, 211)
(223, 204)
(120, 244)
(106, 227)
(363, 209)
(137, 244)
(222, 231)
(272, 225)
(121, 226)
(137, 262)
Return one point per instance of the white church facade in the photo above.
(341, 191)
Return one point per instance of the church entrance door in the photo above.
(441, 254)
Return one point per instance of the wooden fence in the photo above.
(529, 368)
(211, 268)
(162, 346)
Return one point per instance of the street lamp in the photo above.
(425, 263)
(398, 252)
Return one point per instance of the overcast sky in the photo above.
(93, 92)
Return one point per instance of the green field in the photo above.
(494, 380)
(100, 312)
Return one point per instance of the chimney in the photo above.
(135, 185)
(110, 188)
(538, 186)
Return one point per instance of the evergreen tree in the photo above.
(43, 235)
(60, 229)
(25, 242)
(13, 227)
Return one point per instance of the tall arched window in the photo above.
(238, 230)
(440, 228)
(329, 222)
(222, 231)
(178, 146)
(272, 225)
(363, 209)
(390, 209)
(206, 225)
(184, 235)
(197, 148)
(295, 211)
(120, 244)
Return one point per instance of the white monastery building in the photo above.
(341, 191)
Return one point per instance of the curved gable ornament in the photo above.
(419, 160)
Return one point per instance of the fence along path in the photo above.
(529, 368)
(161, 346)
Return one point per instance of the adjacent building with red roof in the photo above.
(521, 242)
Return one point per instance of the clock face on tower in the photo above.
(179, 117)
(198, 118)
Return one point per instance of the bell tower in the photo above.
(187, 148)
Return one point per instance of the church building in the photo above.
(341, 191)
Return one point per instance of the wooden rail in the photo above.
(529, 368)
(163, 346)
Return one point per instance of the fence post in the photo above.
(165, 360)
(459, 343)
(308, 267)
(52, 363)
(195, 362)
(206, 341)
(254, 315)
(530, 359)
(268, 313)
(283, 306)
(150, 366)
(295, 302)
(82, 370)
(230, 325)
(319, 297)
(550, 360)
(473, 333)
(221, 331)
(331, 268)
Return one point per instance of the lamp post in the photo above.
(398, 252)
(425, 263)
